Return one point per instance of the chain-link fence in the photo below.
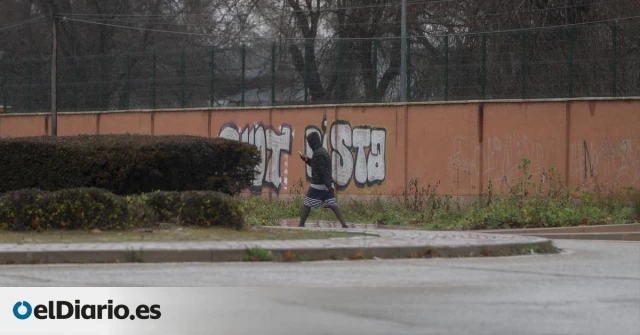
(581, 61)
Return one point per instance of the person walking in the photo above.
(321, 192)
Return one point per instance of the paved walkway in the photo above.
(381, 243)
(620, 232)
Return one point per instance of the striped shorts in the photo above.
(320, 198)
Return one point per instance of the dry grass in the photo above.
(166, 234)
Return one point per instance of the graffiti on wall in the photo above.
(505, 154)
(463, 162)
(357, 153)
(273, 145)
(614, 162)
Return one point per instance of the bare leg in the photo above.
(339, 215)
(305, 214)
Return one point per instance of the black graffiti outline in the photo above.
(384, 159)
(268, 152)
(287, 151)
(349, 148)
(366, 156)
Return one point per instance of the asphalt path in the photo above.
(592, 287)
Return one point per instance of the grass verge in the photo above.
(521, 203)
(169, 233)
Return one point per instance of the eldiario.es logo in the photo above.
(64, 310)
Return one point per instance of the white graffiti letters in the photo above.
(271, 144)
(341, 156)
(361, 141)
(278, 144)
(369, 146)
(376, 167)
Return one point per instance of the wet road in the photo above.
(592, 287)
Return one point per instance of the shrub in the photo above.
(198, 208)
(257, 254)
(127, 164)
(165, 205)
(633, 195)
(80, 208)
(21, 210)
(89, 208)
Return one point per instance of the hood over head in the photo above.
(314, 141)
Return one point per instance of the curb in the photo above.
(633, 236)
(389, 245)
(280, 255)
(621, 228)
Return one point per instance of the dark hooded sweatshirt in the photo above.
(320, 162)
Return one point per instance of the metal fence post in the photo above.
(30, 96)
(183, 74)
(5, 74)
(212, 66)
(523, 61)
(374, 68)
(273, 73)
(54, 79)
(128, 93)
(571, 60)
(76, 79)
(403, 53)
(446, 68)
(306, 70)
(244, 64)
(154, 79)
(339, 78)
(484, 67)
(614, 60)
(408, 69)
(101, 85)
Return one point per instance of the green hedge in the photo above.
(127, 164)
(70, 209)
(89, 208)
(197, 208)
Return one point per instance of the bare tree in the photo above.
(326, 50)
